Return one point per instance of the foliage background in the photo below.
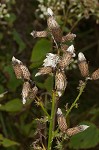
(17, 122)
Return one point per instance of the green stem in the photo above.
(77, 98)
(51, 126)
(40, 103)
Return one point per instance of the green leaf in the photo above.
(14, 105)
(1, 36)
(19, 41)
(49, 84)
(12, 82)
(7, 143)
(87, 139)
(39, 52)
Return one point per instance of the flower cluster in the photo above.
(55, 63)
(3, 11)
(29, 90)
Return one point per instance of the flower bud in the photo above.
(68, 37)
(61, 121)
(95, 75)
(39, 34)
(44, 70)
(83, 65)
(75, 130)
(60, 82)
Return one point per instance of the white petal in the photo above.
(38, 74)
(51, 60)
(70, 49)
(81, 57)
(59, 94)
(50, 12)
(16, 60)
(83, 127)
(59, 112)
(24, 100)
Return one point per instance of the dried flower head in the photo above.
(83, 65)
(95, 75)
(43, 71)
(51, 60)
(39, 34)
(53, 26)
(75, 130)
(21, 71)
(67, 56)
(60, 82)
(61, 121)
(68, 37)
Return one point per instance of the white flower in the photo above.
(83, 127)
(81, 57)
(51, 60)
(71, 50)
(50, 12)
(59, 112)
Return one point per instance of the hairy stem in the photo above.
(77, 98)
(51, 126)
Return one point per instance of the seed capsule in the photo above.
(95, 75)
(68, 37)
(67, 56)
(61, 121)
(54, 26)
(39, 34)
(60, 82)
(83, 65)
(75, 130)
(44, 70)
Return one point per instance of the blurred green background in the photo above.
(18, 18)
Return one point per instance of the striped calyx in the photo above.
(95, 75)
(28, 92)
(21, 71)
(75, 130)
(39, 34)
(60, 82)
(44, 70)
(67, 56)
(61, 121)
(68, 37)
(83, 65)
